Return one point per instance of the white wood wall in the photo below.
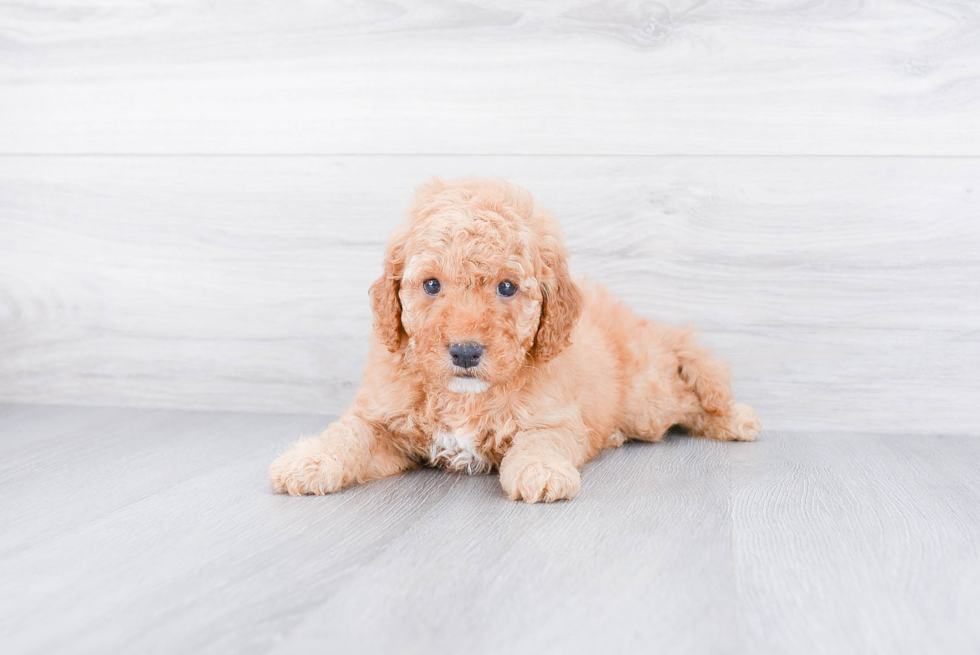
(194, 196)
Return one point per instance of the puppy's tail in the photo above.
(706, 374)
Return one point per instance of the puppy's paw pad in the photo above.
(745, 423)
(306, 473)
(545, 481)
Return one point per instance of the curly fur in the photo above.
(567, 370)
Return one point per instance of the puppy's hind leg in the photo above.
(714, 415)
(705, 374)
(738, 423)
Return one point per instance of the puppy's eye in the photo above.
(506, 288)
(431, 286)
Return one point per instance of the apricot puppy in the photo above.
(486, 354)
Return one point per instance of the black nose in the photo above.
(466, 355)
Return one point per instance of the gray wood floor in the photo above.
(154, 531)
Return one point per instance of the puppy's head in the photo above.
(475, 285)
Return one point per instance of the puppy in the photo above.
(486, 354)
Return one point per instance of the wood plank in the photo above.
(553, 77)
(856, 539)
(64, 468)
(840, 289)
(176, 516)
(213, 562)
(643, 555)
(155, 531)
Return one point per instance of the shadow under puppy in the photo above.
(486, 354)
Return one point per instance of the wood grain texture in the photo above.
(829, 525)
(501, 77)
(841, 290)
(155, 532)
(841, 285)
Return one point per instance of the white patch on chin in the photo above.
(455, 451)
(468, 385)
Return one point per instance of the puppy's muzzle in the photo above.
(466, 355)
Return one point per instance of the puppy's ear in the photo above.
(561, 304)
(385, 304)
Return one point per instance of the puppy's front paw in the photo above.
(306, 470)
(539, 480)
